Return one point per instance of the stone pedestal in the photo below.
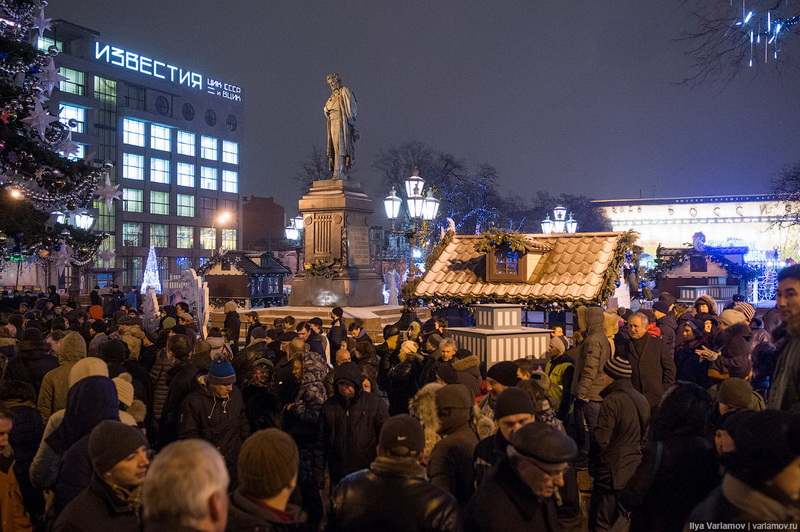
(336, 226)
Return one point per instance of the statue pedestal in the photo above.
(336, 226)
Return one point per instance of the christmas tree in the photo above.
(151, 277)
(41, 189)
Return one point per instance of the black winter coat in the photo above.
(221, 422)
(245, 515)
(97, 508)
(504, 502)
(669, 328)
(450, 466)
(180, 379)
(234, 324)
(653, 367)
(31, 364)
(368, 500)
(621, 431)
(735, 344)
(689, 366)
(662, 494)
(402, 380)
(349, 431)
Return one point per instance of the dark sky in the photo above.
(574, 96)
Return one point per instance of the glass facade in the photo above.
(186, 175)
(208, 178)
(208, 148)
(159, 170)
(159, 235)
(185, 205)
(160, 137)
(73, 112)
(230, 152)
(132, 234)
(208, 238)
(75, 83)
(229, 238)
(133, 132)
(132, 200)
(185, 236)
(230, 181)
(159, 202)
(133, 166)
(186, 143)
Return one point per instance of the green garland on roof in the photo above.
(495, 238)
(665, 264)
(437, 250)
(625, 245)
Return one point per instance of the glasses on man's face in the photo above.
(548, 472)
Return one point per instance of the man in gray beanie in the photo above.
(620, 434)
(120, 456)
(519, 494)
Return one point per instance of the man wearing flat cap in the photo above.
(519, 494)
(370, 499)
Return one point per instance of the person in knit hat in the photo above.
(33, 360)
(368, 499)
(761, 480)
(55, 385)
(120, 458)
(666, 323)
(268, 469)
(622, 427)
(499, 377)
(214, 411)
(514, 408)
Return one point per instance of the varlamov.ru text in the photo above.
(710, 525)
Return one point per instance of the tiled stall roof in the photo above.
(572, 267)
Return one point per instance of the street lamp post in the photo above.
(560, 223)
(421, 208)
(294, 234)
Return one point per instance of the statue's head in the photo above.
(334, 80)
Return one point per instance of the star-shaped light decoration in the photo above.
(5, 115)
(106, 254)
(108, 193)
(41, 23)
(49, 76)
(39, 119)
(68, 147)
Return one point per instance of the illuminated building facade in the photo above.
(173, 135)
(753, 221)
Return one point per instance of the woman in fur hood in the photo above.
(708, 302)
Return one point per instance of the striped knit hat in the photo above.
(618, 368)
(746, 309)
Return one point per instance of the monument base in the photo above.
(359, 288)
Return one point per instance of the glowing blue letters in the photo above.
(161, 70)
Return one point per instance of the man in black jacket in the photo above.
(519, 495)
(368, 499)
(253, 323)
(651, 362)
(180, 379)
(619, 437)
(119, 459)
(350, 422)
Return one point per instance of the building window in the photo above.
(75, 82)
(72, 112)
(159, 202)
(105, 90)
(230, 152)
(133, 132)
(229, 238)
(132, 234)
(230, 181)
(208, 148)
(208, 207)
(183, 263)
(133, 166)
(188, 112)
(44, 44)
(186, 143)
(506, 262)
(229, 206)
(132, 271)
(208, 178)
(698, 263)
(132, 200)
(162, 105)
(211, 118)
(185, 205)
(506, 265)
(135, 97)
(231, 123)
(185, 234)
(159, 170)
(208, 238)
(160, 137)
(185, 175)
(79, 154)
(159, 235)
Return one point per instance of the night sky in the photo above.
(575, 96)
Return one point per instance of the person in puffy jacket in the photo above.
(367, 499)
(214, 411)
(55, 385)
(350, 423)
(732, 359)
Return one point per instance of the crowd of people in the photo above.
(680, 414)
